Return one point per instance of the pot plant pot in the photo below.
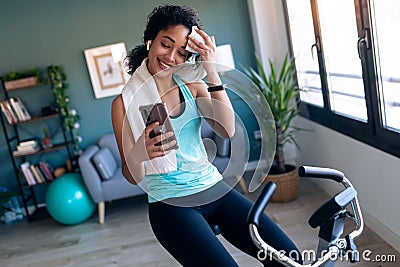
(280, 90)
(16, 80)
(46, 142)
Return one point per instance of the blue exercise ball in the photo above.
(68, 201)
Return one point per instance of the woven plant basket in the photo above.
(287, 184)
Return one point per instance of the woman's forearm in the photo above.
(133, 174)
(223, 114)
(133, 168)
(222, 110)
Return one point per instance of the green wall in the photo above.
(43, 32)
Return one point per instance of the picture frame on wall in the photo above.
(105, 65)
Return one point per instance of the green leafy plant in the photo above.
(70, 116)
(46, 132)
(280, 90)
(5, 196)
(16, 75)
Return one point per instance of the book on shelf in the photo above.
(36, 174)
(30, 180)
(27, 146)
(8, 112)
(19, 108)
(16, 108)
(39, 172)
(25, 112)
(26, 151)
(28, 142)
(46, 170)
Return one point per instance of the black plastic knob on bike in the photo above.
(258, 207)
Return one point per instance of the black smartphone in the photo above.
(158, 112)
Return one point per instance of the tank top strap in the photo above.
(183, 87)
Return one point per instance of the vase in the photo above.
(287, 184)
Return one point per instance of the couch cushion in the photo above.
(108, 140)
(118, 187)
(105, 163)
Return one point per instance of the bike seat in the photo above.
(331, 207)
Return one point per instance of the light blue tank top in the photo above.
(194, 172)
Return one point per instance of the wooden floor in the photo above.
(126, 238)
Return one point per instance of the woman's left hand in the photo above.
(207, 50)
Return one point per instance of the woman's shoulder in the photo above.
(117, 103)
(196, 87)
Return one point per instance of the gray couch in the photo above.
(100, 165)
(105, 188)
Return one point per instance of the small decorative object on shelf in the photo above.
(70, 116)
(46, 137)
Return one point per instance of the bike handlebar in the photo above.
(306, 171)
(258, 208)
(318, 172)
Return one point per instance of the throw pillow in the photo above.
(105, 163)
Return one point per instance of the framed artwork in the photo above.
(105, 65)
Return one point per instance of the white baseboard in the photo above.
(380, 229)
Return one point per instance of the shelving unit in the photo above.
(13, 138)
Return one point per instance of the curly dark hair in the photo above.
(161, 18)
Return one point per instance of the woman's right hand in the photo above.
(149, 144)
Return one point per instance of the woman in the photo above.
(181, 225)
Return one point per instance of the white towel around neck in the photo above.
(140, 90)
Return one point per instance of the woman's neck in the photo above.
(164, 84)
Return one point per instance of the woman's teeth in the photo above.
(164, 65)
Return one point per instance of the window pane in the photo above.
(302, 34)
(343, 66)
(387, 23)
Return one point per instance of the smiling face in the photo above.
(168, 49)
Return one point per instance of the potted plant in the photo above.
(280, 90)
(46, 138)
(9, 206)
(15, 80)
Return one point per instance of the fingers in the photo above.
(159, 138)
(206, 49)
(150, 128)
(213, 40)
(206, 38)
(153, 148)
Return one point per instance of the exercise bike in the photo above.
(329, 217)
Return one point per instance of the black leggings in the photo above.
(186, 234)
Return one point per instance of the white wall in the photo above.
(374, 173)
(268, 28)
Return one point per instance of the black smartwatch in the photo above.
(216, 88)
